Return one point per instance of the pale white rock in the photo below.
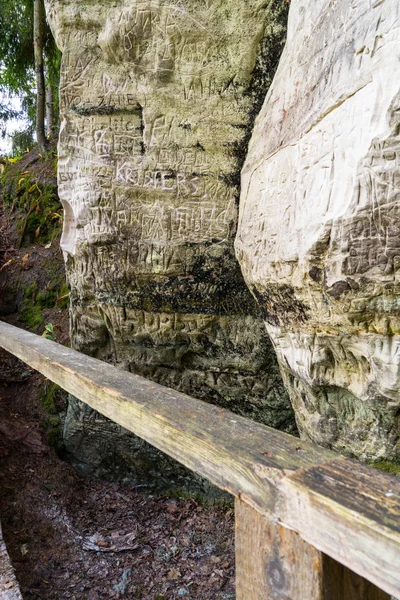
(319, 226)
(9, 589)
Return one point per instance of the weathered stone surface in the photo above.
(9, 589)
(319, 237)
(157, 101)
(12, 370)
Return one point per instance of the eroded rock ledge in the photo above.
(319, 235)
(157, 101)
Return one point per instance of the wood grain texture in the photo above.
(275, 563)
(345, 509)
(340, 583)
(9, 589)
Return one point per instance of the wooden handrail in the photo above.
(340, 507)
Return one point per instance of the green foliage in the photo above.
(391, 467)
(17, 59)
(38, 207)
(35, 301)
(6, 113)
(30, 312)
(16, 46)
(51, 394)
(48, 394)
(21, 142)
(63, 297)
(16, 54)
(48, 332)
(56, 294)
(31, 290)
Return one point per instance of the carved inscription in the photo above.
(373, 237)
(156, 98)
(319, 235)
(149, 124)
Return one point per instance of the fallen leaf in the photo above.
(173, 575)
(24, 261)
(115, 543)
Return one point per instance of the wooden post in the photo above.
(343, 508)
(274, 563)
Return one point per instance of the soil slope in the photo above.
(70, 537)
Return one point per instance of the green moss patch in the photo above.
(29, 191)
(391, 467)
(48, 396)
(53, 398)
(31, 312)
(55, 295)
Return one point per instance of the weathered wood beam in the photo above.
(274, 563)
(343, 508)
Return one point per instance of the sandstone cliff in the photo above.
(157, 101)
(319, 237)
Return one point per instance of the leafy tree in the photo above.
(17, 61)
(52, 57)
(16, 45)
(21, 140)
(38, 42)
(7, 112)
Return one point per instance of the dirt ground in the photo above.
(81, 539)
(84, 539)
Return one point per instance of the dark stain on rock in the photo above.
(270, 50)
(353, 284)
(338, 289)
(214, 285)
(104, 110)
(279, 305)
(316, 274)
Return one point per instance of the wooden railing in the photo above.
(310, 524)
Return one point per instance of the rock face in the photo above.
(319, 226)
(157, 100)
(12, 370)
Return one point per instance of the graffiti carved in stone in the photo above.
(157, 99)
(319, 234)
